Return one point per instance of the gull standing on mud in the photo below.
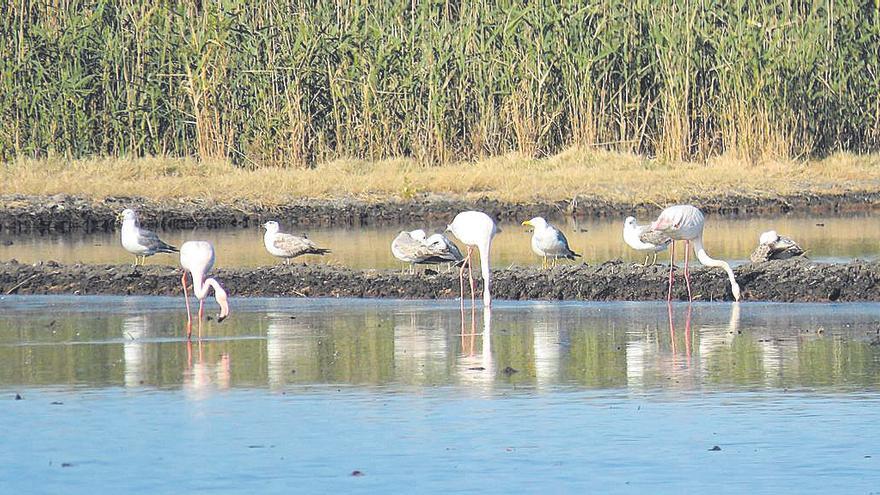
(475, 228)
(772, 246)
(140, 242)
(414, 247)
(642, 238)
(685, 223)
(547, 240)
(288, 246)
(197, 257)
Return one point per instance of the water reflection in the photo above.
(280, 343)
(827, 238)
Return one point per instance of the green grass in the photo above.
(293, 84)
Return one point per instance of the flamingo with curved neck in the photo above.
(475, 228)
(685, 223)
(197, 257)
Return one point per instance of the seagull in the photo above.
(642, 238)
(140, 242)
(288, 246)
(475, 228)
(412, 247)
(772, 246)
(547, 240)
(197, 257)
(445, 248)
(685, 223)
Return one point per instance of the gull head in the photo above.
(271, 226)
(127, 214)
(537, 223)
(419, 235)
(768, 237)
(630, 222)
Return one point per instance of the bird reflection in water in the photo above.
(687, 333)
(202, 376)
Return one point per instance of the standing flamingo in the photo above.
(685, 223)
(475, 228)
(197, 257)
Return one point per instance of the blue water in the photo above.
(604, 398)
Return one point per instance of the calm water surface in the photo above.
(295, 395)
(826, 238)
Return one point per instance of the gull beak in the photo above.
(528, 222)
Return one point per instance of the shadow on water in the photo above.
(277, 343)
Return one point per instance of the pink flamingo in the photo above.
(197, 257)
(685, 223)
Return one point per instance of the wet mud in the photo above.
(62, 213)
(783, 281)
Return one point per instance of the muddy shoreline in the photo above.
(796, 280)
(63, 214)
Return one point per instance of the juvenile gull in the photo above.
(140, 242)
(412, 247)
(642, 238)
(288, 246)
(548, 241)
(772, 246)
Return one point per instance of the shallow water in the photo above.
(826, 238)
(297, 394)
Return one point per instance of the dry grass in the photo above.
(607, 176)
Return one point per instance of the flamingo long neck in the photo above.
(201, 286)
(707, 260)
(487, 276)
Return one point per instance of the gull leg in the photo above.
(646, 259)
(188, 314)
(671, 266)
(654, 261)
(687, 279)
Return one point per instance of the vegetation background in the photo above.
(297, 83)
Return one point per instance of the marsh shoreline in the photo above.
(21, 214)
(796, 280)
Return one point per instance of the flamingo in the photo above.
(475, 228)
(197, 257)
(140, 242)
(685, 223)
(288, 246)
(547, 240)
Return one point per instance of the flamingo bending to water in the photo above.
(197, 257)
(685, 223)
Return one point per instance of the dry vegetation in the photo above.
(604, 175)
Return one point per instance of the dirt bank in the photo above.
(790, 280)
(59, 214)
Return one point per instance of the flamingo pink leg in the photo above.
(188, 314)
(687, 278)
(671, 266)
(201, 314)
(467, 262)
(471, 278)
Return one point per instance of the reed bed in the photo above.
(294, 84)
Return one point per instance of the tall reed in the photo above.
(293, 83)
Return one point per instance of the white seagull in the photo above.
(414, 247)
(772, 246)
(140, 242)
(197, 257)
(685, 223)
(642, 238)
(547, 240)
(288, 246)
